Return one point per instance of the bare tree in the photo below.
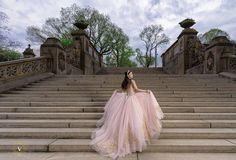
(152, 37)
(5, 41)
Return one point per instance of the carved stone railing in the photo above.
(11, 70)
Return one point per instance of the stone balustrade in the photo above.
(11, 70)
(187, 55)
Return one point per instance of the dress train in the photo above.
(128, 124)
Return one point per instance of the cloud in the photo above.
(130, 15)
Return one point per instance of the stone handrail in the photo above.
(24, 67)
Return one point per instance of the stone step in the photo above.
(113, 79)
(143, 74)
(139, 76)
(43, 104)
(144, 82)
(101, 109)
(106, 96)
(102, 104)
(165, 156)
(112, 89)
(80, 133)
(154, 86)
(84, 123)
(80, 145)
(140, 84)
(110, 92)
(203, 116)
(116, 80)
(168, 116)
(133, 156)
(87, 99)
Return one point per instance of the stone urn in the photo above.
(187, 23)
(82, 24)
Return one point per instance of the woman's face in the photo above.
(130, 75)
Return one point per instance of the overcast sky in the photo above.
(130, 15)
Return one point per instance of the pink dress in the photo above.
(130, 120)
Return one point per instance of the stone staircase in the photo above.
(59, 113)
(138, 70)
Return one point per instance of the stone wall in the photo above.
(80, 57)
(188, 55)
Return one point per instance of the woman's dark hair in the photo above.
(126, 82)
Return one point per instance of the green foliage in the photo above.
(121, 60)
(108, 38)
(7, 55)
(207, 37)
(144, 60)
(66, 41)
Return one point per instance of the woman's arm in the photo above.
(136, 87)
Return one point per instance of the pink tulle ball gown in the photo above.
(129, 122)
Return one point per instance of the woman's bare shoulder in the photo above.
(132, 80)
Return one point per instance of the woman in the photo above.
(132, 117)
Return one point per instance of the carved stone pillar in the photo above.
(53, 49)
(187, 39)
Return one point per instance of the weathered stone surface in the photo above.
(200, 116)
(187, 55)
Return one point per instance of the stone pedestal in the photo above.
(53, 49)
(28, 53)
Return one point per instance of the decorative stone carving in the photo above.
(210, 61)
(232, 64)
(74, 53)
(61, 61)
(23, 67)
